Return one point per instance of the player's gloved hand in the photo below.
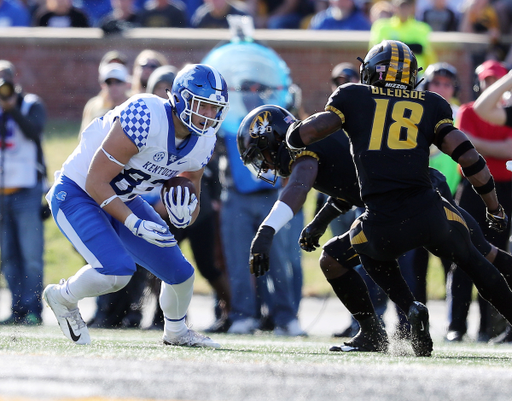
(311, 234)
(497, 222)
(259, 260)
(180, 210)
(152, 232)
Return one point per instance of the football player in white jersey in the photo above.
(131, 150)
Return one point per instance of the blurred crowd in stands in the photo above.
(488, 17)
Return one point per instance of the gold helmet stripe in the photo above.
(406, 66)
(393, 63)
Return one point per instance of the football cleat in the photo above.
(372, 339)
(420, 335)
(191, 339)
(68, 315)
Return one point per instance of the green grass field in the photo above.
(38, 363)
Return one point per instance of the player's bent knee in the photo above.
(120, 282)
(331, 267)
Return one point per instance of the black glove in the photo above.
(260, 250)
(311, 234)
(497, 222)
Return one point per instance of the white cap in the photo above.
(113, 70)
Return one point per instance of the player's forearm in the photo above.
(478, 174)
(106, 197)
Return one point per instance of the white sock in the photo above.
(174, 301)
(88, 282)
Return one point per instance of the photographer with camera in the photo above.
(22, 177)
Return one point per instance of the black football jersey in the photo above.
(336, 171)
(390, 131)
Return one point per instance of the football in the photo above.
(178, 181)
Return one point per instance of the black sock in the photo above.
(353, 293)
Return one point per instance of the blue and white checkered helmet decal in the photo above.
(135, 120)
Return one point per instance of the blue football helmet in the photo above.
(194, 85)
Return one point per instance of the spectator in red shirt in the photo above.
(489, 140)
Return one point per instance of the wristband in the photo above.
(280, 214)
(132, 222)
(107, 201)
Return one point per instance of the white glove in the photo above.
(180, 212)
(152, 232)
(509, 165)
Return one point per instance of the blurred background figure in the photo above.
(255, 75)
(491, 142)
(161, 79)
(113, 56)
(440, 16)
(279, 14)
(341, 15)
(113, 80)
(164, 14)
(13, 13)
(479, 16)
(404, 26)
(60, 14)
(381, 9)
(213, 13)
(22, 184)
(123, 16)
(145, 63)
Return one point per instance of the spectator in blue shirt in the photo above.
(340, 15)
(12, 13)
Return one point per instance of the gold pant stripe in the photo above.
(454, 217)
(359, 238)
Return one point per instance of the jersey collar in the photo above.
(185, 147)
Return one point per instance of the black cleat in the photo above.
(420, 336)
(373, 338)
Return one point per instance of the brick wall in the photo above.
(61, 65)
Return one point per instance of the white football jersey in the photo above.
(147, 120)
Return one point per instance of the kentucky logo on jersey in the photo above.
(173, 158)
